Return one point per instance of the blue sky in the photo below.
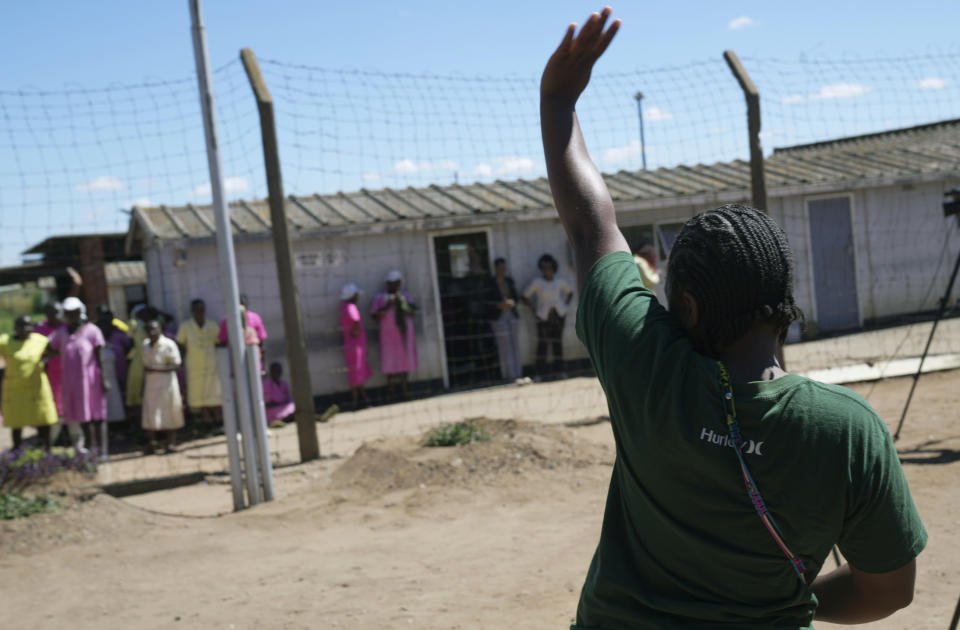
(77, 160)
(108, 41)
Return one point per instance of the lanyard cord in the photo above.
(733, 426)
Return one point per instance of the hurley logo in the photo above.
(747, 447)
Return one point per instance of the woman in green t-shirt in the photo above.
(709, 427)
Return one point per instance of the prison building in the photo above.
(863, 214)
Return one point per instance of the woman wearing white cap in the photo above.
(354, 343)
(392, 309)
(83, 386)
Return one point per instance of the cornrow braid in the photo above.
(737, 264)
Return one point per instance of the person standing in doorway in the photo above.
(393, 311)
(354, 344)
(197, 337)
(79, 345)
(27, 398)
(162, 403)
(551, 300)
(505, 320)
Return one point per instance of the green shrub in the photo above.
(20, 506)
(457, 434)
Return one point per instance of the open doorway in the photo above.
(463, 281)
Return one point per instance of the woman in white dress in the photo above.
(162, 403)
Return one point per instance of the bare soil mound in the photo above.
(84, 515)
(514, 447)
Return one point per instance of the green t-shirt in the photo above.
(681, 544)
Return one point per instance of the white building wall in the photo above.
(900, 236)
(326, 265)
(903, 239)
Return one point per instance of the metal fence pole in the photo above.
(643, 141)
(289, 295)
(758, 182)
(228, 264)
(758, 185)
(264, 465)
(230, 427)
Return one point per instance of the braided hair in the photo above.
(737, 265)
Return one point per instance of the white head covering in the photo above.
(349, 290)
(74, 304)
(395, 276)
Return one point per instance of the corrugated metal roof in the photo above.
(901, 153)
(129, 272)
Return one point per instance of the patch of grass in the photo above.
(20, 506)
(457, 434)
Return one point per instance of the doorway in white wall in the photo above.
(834, 274)
(463, 281)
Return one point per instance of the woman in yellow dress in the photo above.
(27, 399)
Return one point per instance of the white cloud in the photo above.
(371, 177)
(792, 99)
(841, 90)
(740, 22)
(932, 83)
(231, 185)
(620, 154)
(101, 184)
(834, 90)
(512, 164)
(408, 166)
(654, 114)
(505, 165)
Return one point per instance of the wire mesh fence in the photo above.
(75, 161)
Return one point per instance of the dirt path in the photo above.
(496, 535)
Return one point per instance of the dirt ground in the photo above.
(495, 534)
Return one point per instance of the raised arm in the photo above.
(579, 192)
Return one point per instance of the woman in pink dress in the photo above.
(250, 337)
(276, 396)
(83, 387)
(54, 369)
(354, 344)
(393, 310)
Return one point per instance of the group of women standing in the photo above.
(73, 389)
(70, 370)
(393, 311)
(549, 296)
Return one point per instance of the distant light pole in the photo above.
(643, 143)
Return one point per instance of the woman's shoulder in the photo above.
(35, 338)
